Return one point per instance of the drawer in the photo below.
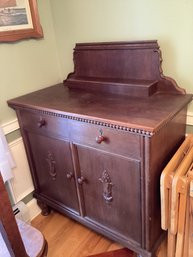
(44, 124)
(106, 139)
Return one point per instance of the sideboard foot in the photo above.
(44, 207)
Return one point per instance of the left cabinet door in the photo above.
(52, 170)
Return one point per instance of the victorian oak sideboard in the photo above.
(97, 143)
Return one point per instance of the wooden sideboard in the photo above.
(97, 143)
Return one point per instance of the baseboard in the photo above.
(189, 121)
(20, 187)
(10, 126)
(34, 209)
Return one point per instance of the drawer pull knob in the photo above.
(81, 180)
(69, 175)
(100, 139)
(41, 123)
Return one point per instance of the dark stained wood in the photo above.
(165, 143)
(119, 142)
(53, 170)
(126, 68)
(127, 87)
(45, 210)
(138, 113)
(97, 156)
(49, 124)
(122, 199)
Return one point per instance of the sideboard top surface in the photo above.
(141, 113)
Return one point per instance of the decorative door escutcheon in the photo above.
(107, 186)
(52, 165)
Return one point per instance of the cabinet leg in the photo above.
(44, 207)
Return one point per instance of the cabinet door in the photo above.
(111, 192)
(53, 170)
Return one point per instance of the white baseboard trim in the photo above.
(21, 184)
(189, 119)
(10, 126)
(33, 208)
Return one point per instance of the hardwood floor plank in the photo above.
(102, 246)
(87, 245)
(70, 244)
(68, 238)
(114, 246)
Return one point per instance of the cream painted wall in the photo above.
(28, 65)
(169, 21)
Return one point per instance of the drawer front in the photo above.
(107, 139)
(103, 138)
(44, 124)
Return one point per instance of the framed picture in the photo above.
(19, 19)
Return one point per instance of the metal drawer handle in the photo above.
(41, 122)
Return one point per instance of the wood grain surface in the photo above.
(67, 238)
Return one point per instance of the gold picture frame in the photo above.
(19, 19)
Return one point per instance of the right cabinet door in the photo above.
(111, 192)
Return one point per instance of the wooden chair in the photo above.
(177, 202)
(170, 191)
(167, 177)
(18, 238)
(190, 216)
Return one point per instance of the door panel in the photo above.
(111, 190)
(53, 169)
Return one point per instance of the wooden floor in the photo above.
(67, 238)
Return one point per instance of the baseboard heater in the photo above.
(21, 212)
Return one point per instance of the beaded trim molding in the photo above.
(95, 122)
(142, 132)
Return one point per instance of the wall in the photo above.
(169, 21)
(28, 65)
